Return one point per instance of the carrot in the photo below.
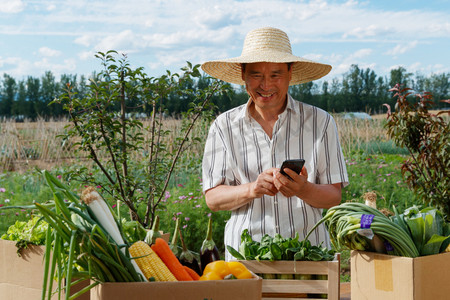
(192, 273)
(170, 260)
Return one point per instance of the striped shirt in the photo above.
(238, 150)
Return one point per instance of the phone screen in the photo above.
(295, 165)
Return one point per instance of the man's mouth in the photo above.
(266, 95)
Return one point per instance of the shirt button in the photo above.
(275, 202)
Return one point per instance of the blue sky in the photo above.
(159, 35)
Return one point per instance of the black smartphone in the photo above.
(295, 165)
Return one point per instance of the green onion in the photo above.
(79, 247)
(343, 222)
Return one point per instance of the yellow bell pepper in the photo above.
(219, 269)
(239, 270)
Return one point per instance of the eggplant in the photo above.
(153, 233)
(173, 244)
(187, 258)
(209, 251)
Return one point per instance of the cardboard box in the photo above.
(22, 277)
(239, 289)
(381, 276)
(165, 236)
(298, 288)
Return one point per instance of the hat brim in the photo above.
(303, 70)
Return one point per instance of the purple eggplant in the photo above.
(173, 244)
(187, 258)
(209, 251)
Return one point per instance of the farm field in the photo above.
(373, 164)
(373, 161)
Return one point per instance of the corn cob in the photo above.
(150, 263)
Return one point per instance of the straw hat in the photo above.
(266, 45)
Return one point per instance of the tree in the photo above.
(325, 96)
(33, 95)
(49, 91)
(400, 76)
(440, 87)
(352, 89)
(303, 92)
(21, 107)
(7, 95)
(102, 128)
(335, 102)
(369, 86)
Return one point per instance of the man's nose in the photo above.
(265, 82)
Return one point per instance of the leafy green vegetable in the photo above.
(279, 248)
(34, 231)
(133, 231)
(25, 233)
(427, 228)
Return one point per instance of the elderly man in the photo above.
(247, 145)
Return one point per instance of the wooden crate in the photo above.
(297, 288)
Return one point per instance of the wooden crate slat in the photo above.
(295, 286)
(288, 267)
(273, 289)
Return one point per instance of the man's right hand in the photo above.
(227, 197)
(264, 184)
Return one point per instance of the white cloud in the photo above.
(85, 40)
(402, 48)
(85, 55)
(342, 63)
(125, 39)
(45, 51)
(51, 7)
(419, 67)
(361, 53)
(313, 57)
(11, 6)
(15, 66)
(415, 67)
(66, 66)
(437, 69)
(217, 17)
(368, 31)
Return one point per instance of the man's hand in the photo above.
(229, 197)
(264, 184)
(316, 195)
(290, 187)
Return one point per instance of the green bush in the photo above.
(426, 135)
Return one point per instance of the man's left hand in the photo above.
(291, 187)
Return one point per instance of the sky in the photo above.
(159, 35)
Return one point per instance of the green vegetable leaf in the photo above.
(433, 245)
(276, 251)
(300, 255)
(235, 253)
(416, 226)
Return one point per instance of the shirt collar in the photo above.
(290, 106)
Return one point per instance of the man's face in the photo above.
(267, 83)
